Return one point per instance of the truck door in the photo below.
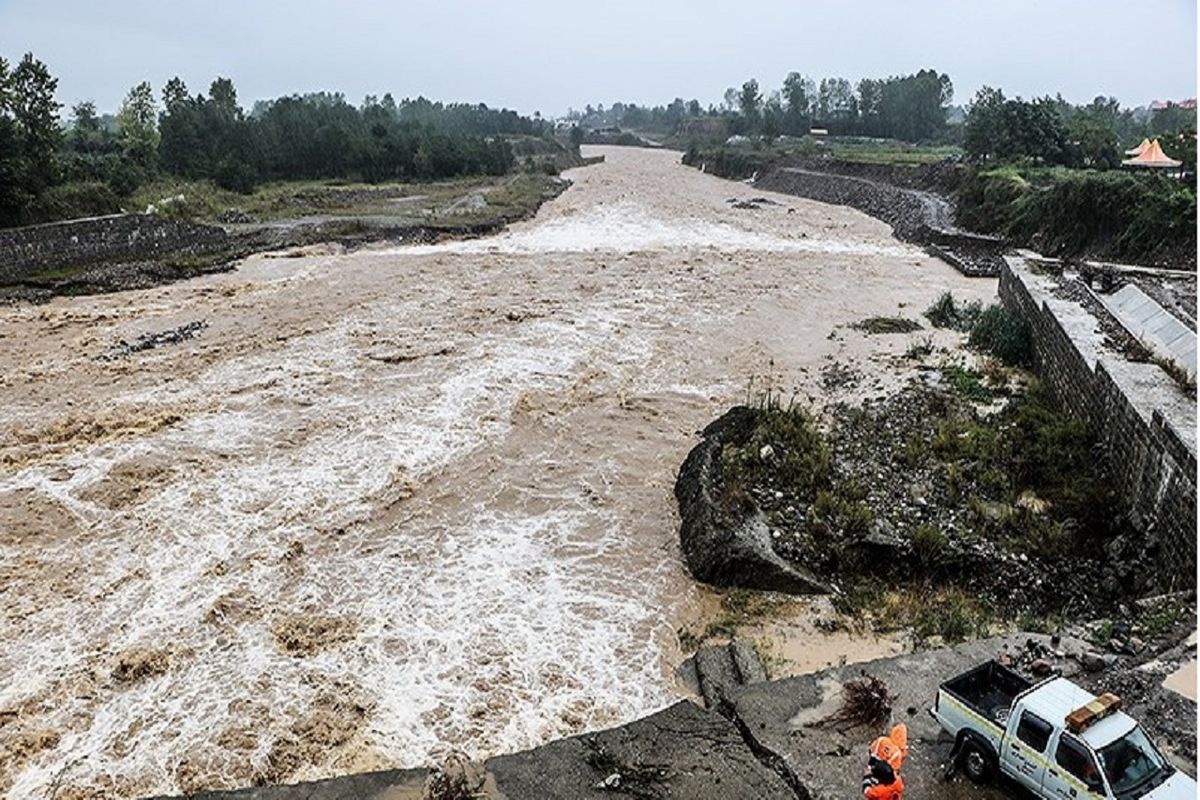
(1072, 774)
(1025, 751)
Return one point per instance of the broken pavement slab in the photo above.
(683, 752)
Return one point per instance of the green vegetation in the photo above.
(1039, 463)
(1002, 334)
(908, 107)
(946, 312)
(992, 330)
(429, 204)
(786, 446)
(97, 163)
(1051, 131)
(1071, 212)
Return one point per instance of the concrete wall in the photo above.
(120, 237)
(1146, 422)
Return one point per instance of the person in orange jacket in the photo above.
(892, 748)
(882, 783)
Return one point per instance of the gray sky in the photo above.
(547, 55)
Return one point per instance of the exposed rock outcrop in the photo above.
(722, 547)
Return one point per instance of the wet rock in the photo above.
(149, 341)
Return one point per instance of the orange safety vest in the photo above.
(892, 748)
(877, 791)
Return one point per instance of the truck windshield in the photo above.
(1132, 765)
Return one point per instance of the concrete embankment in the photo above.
(1145, 419)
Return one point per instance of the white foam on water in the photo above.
(628, 226)
(565, 645)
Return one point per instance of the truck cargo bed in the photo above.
(988, 690)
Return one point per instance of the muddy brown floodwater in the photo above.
(403, 501)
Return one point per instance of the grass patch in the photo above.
(739, 607)
(786, 448)
(968, 384)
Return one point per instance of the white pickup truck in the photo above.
(1054, 738)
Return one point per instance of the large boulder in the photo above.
(727, 548)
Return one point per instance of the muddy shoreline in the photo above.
(240, 241)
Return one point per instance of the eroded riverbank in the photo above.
(422, 493)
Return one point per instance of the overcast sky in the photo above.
(548, 55)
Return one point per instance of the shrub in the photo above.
(72, 200)
(1003, 335)
(946, 312)
(929, 547)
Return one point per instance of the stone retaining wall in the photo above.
(1146, 422)
(915, 215)
(119, 237)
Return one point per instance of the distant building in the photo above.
(1159, 105)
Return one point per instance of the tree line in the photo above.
(909, 107)
(49, 169)
(1051, 131)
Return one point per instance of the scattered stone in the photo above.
(235, 216)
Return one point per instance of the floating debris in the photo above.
(149, 341)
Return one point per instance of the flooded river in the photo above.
(402, 501)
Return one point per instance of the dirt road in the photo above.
(404, 500)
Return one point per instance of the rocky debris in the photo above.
(874, 325)
(149, 341)
(235, 216)
(837, 375)
(751, 203)
(724, 547)
(927, 517)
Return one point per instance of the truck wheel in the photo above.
(977, 762)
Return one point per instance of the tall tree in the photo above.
(35, 111)
(137, 122)
(750, 103)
